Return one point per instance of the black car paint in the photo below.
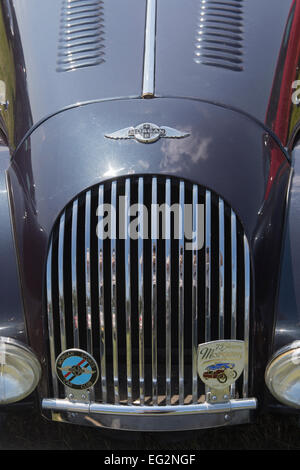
(12, 315)
(32, 29)
(43, 173)
(58, 147)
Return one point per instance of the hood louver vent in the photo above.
(81, 35)
(219, 40)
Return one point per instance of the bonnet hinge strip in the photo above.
(149, 53)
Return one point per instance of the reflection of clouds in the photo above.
(182, 153)
(145, 165)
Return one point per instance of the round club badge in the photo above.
(77, 369)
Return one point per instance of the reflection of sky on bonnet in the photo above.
(178, 153)
(296, 184)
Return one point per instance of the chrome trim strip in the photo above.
(149, 54)
(128, 293)
(159, 411)
(221, 268)
(195, 260)
(168, 419)
(154, 232)
(87, 254)
(141, 291)
(168, 290)
(61, 283)
(247, 314)
(50, 321)
(74, 274)
(113, 254)
(181, 295)
(101, 300)
(207, 265)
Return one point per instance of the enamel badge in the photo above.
(77, 369)
(220, 363)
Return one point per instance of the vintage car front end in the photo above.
(141, 306)
(149, 218)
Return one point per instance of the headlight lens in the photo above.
(283, 375)
(20, 371)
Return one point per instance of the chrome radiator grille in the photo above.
(142, 306)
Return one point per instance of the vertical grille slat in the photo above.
(74, 274)
(168, 291)
(233, 274)
(113, 256)
(195, 261)
(154, 237)
(207, 265)
(141, 291)
(181, 295)
(221, 268)
(128, 293)
(141, 305)
(100, 259)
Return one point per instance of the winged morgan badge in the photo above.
(147, 133)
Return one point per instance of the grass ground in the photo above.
(31, 432)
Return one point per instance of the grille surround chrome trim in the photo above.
(50, 321)
(61, 282)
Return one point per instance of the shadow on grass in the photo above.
(32, 432)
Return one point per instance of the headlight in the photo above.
(20, 371)
(283, 375)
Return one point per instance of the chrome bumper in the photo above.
(150, 418)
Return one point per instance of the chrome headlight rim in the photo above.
(286, 352)
(26, 355)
